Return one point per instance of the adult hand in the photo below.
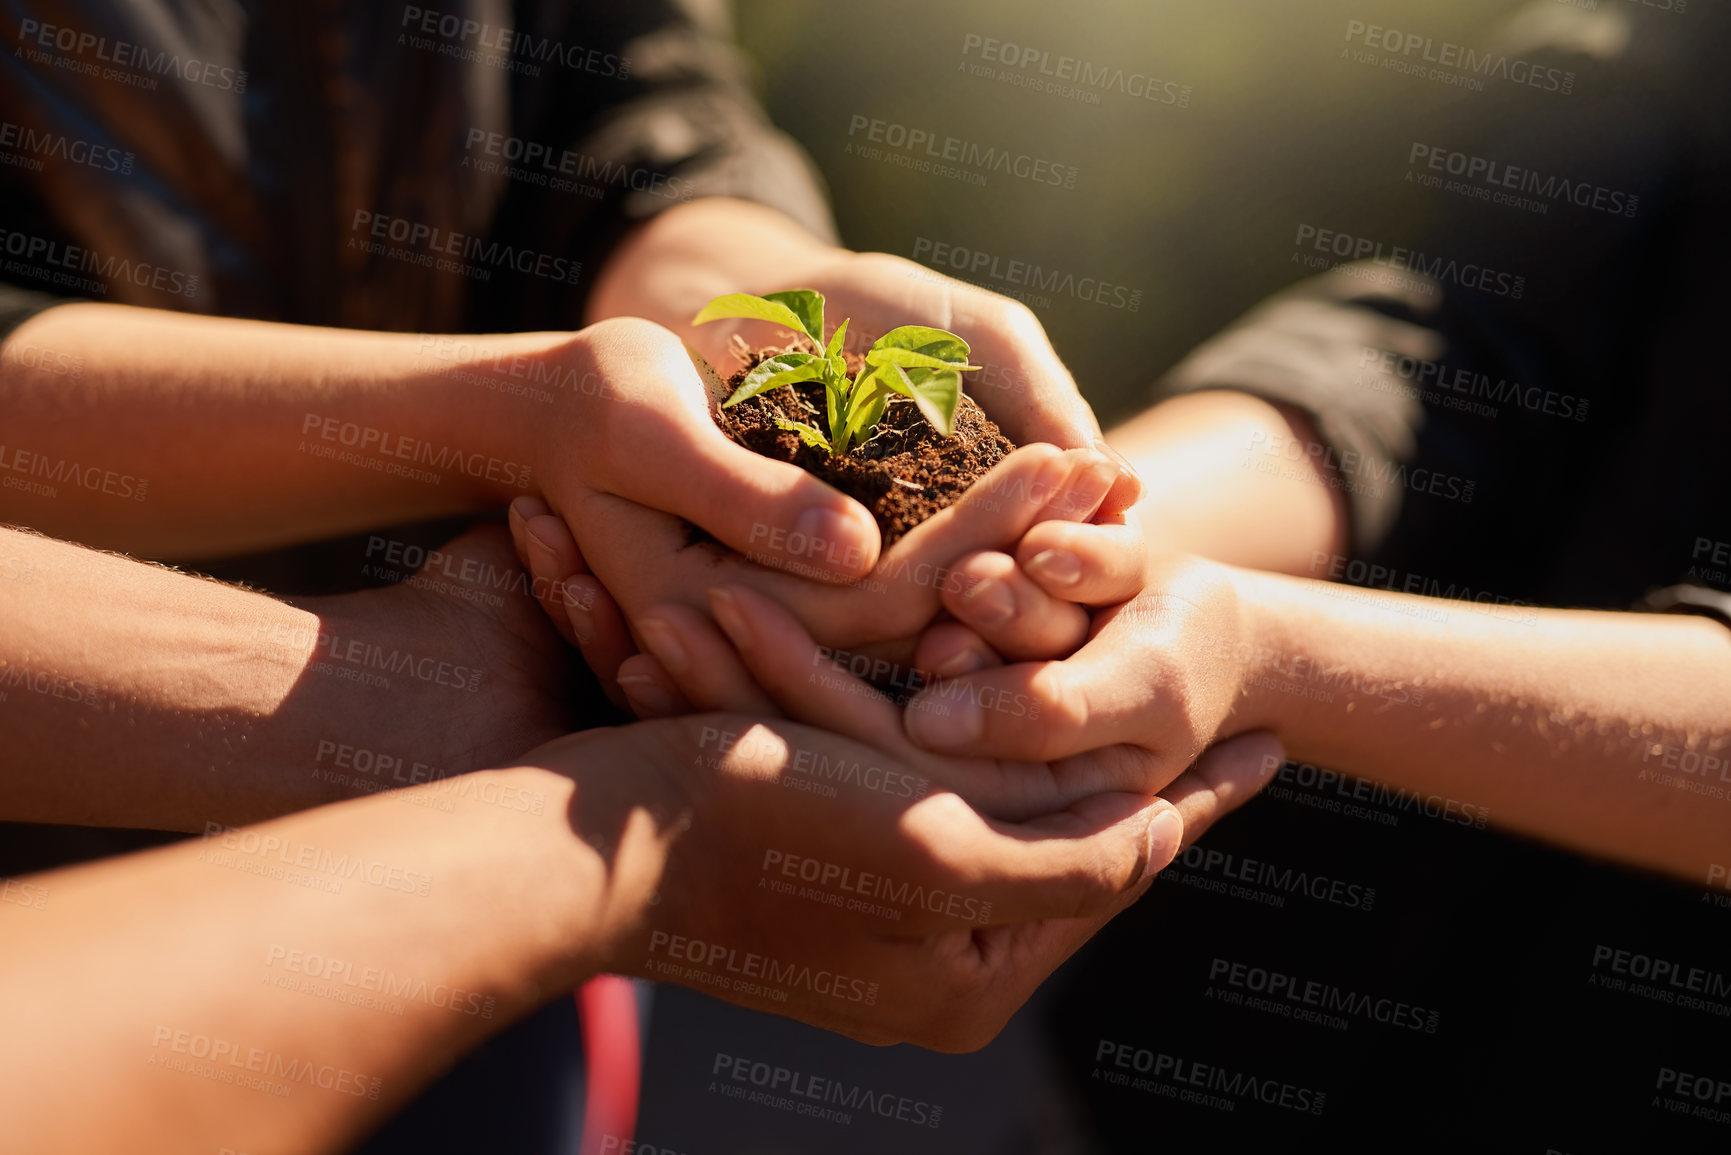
(476, 675)
(632, 557)
(819, 878)
(1161, 672)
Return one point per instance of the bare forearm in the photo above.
(284, 987)
(132, 695)
(672, 265)
(1600, 731)
(1193, 452)
(188, 436)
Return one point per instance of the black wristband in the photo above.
(1689, 599)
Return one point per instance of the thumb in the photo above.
(1225, 777)
(775, 513)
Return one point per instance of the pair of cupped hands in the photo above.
(900, 864)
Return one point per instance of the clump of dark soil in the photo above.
(904, 473)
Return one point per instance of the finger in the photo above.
(541, 558)
(902, 594)
(651, 692)
(951, 650)
(806, 680)
(1227, 776)
(701, 662)
(599, 627)
(1042, 711)
(1012, 614)
(1093, 565)
(673, 457)
(1075, 863)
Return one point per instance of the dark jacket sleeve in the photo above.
(1492, 379)
(663, 112)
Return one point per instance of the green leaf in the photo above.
(834, 350)
(837, 363)
(936, 391)
(806, 433)
(786, 369)
(752, 309)
(867, 414)
(807, 305)
(836, 394)
(920, 346)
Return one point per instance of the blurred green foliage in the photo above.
(1194, 206)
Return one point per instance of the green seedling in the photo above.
(922, 364)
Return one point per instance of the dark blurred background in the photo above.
(1195, 206)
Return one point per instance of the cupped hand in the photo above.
(633, 557)
(1163, 672)
(475, 673)
(817, 877)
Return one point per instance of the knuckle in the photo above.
(1063, 709)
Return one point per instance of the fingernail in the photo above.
(664, 644)
(990, 602)
(582, 625)
(1165, 832)
(540, 556)
(950, 724)
(646, 696)
(829, 537)
(1121, 461)
(1090, 485)
(732, 618)
(964, 661)
(1055, 567)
